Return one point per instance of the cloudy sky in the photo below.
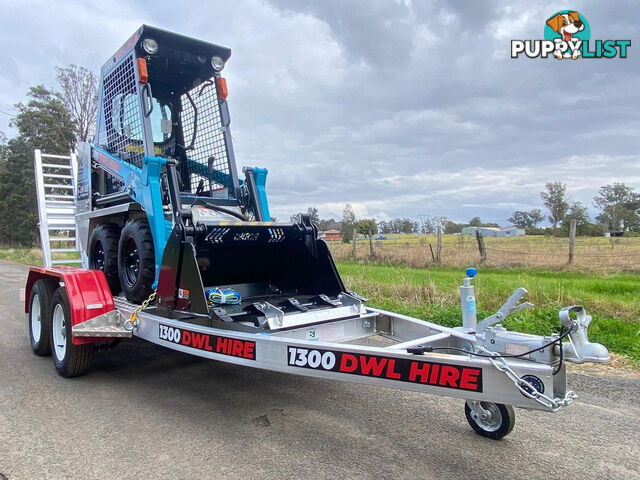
(397, 107)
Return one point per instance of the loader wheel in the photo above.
(39, 316)
(136, 261)
(70, 360)
(103, 253)
(491, 420)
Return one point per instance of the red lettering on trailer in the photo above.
(449, 376)
(238, 347)
(204, 341)
(434, 374)
(427, 372)
(348, 363)
(391, 373)
(469, 378)
(372, 366)
(248, 349)
(221, 345)
(419, 369)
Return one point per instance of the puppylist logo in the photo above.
(567, 35)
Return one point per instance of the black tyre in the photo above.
(70, 360)
(491, 420)
(136, 261)
(103, 253)
(40, 316)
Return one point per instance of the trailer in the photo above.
(172, 247)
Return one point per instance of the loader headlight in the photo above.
(150, 46)
(217, 63)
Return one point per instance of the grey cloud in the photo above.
(397, 107)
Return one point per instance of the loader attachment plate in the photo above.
(283, 265)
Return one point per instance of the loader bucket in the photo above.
(260, 260)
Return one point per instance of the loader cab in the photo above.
(163, 96)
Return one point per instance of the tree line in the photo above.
(53, 120)
(619, 206)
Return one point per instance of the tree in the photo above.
(526, 219)
(521, 219)
(313, 215)
(43, 123)
(367, 226)
(536, 216)
(384, 227)
(325, 224)
(348, 222)
(618, 203)
(475, 222)
(577, 212)
(452, 227)
(80, 95)
(555, 200)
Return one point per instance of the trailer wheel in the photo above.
(491, 420)
(39, 316)
(70, 360)
(103, 253)
(136, 261)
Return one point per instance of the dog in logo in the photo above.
(566, 25)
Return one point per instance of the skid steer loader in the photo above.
(159, 199)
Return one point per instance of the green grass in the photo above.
(28, 256)
(432, 294)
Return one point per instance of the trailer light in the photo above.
(217, 63)
(150, 46)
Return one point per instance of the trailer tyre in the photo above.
(70, 360)
(103, 253)
(136, 261)
(491, 420)
(39, 316)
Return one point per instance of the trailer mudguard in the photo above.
(87, 290)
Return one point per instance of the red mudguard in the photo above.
(87, 290)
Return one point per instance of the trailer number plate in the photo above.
(390, 368)
(210, 343)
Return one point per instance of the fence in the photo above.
(589, 253)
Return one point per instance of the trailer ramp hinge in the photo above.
(132, 323)
(526, 388)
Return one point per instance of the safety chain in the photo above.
(132, 323)
(554, 404)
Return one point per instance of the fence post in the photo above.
(483, 251)
(372, 254)
(353, 246)
(438, 243)
(572, 239)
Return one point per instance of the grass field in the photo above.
(611, 297)
(591, 253)
(432, 294)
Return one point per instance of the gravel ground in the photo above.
(147, 412)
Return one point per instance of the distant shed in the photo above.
(495, 231)
(331, 236)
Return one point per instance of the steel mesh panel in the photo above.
(122, 114)
(208, 159)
